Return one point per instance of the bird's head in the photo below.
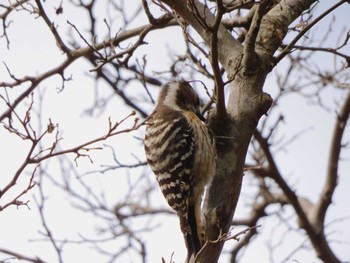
(180, 96)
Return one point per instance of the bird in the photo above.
(181, 152)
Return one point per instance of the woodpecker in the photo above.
(181, 153)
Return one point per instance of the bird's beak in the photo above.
(200, 116)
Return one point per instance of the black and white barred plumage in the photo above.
(181, 154)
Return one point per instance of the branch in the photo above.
(214, 61)
(21, 256)
(240, 21)
(257, 213)
(289, 47)
(120, 92)
(334, 157)
(15, 201)
(47, 231)
(229, 47)
(315, 233)
(154, 21)
(250, 59)
(34, 83)
(112, 131)
(324, 49)
(62, 46)
(274, 26)
(44, 154)
(28, 134)
(226, 237)
(4, 15)
(74, 55)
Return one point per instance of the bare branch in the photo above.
(62, 46)
(4, 15)
(240, 21)
(47, 232)
(327, 50)
(74, 54)
(316, 234)
(226, 237)
(112, 131)
(15, 201)
(250, 58)
(20, 256)
(332, 172)
(289, 47)
(156, 22)
(214, 60)
(229, 47)
(275, 25)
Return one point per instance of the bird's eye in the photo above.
(182, 99)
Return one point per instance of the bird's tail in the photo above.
(189, 226)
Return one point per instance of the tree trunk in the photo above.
(247, 66)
